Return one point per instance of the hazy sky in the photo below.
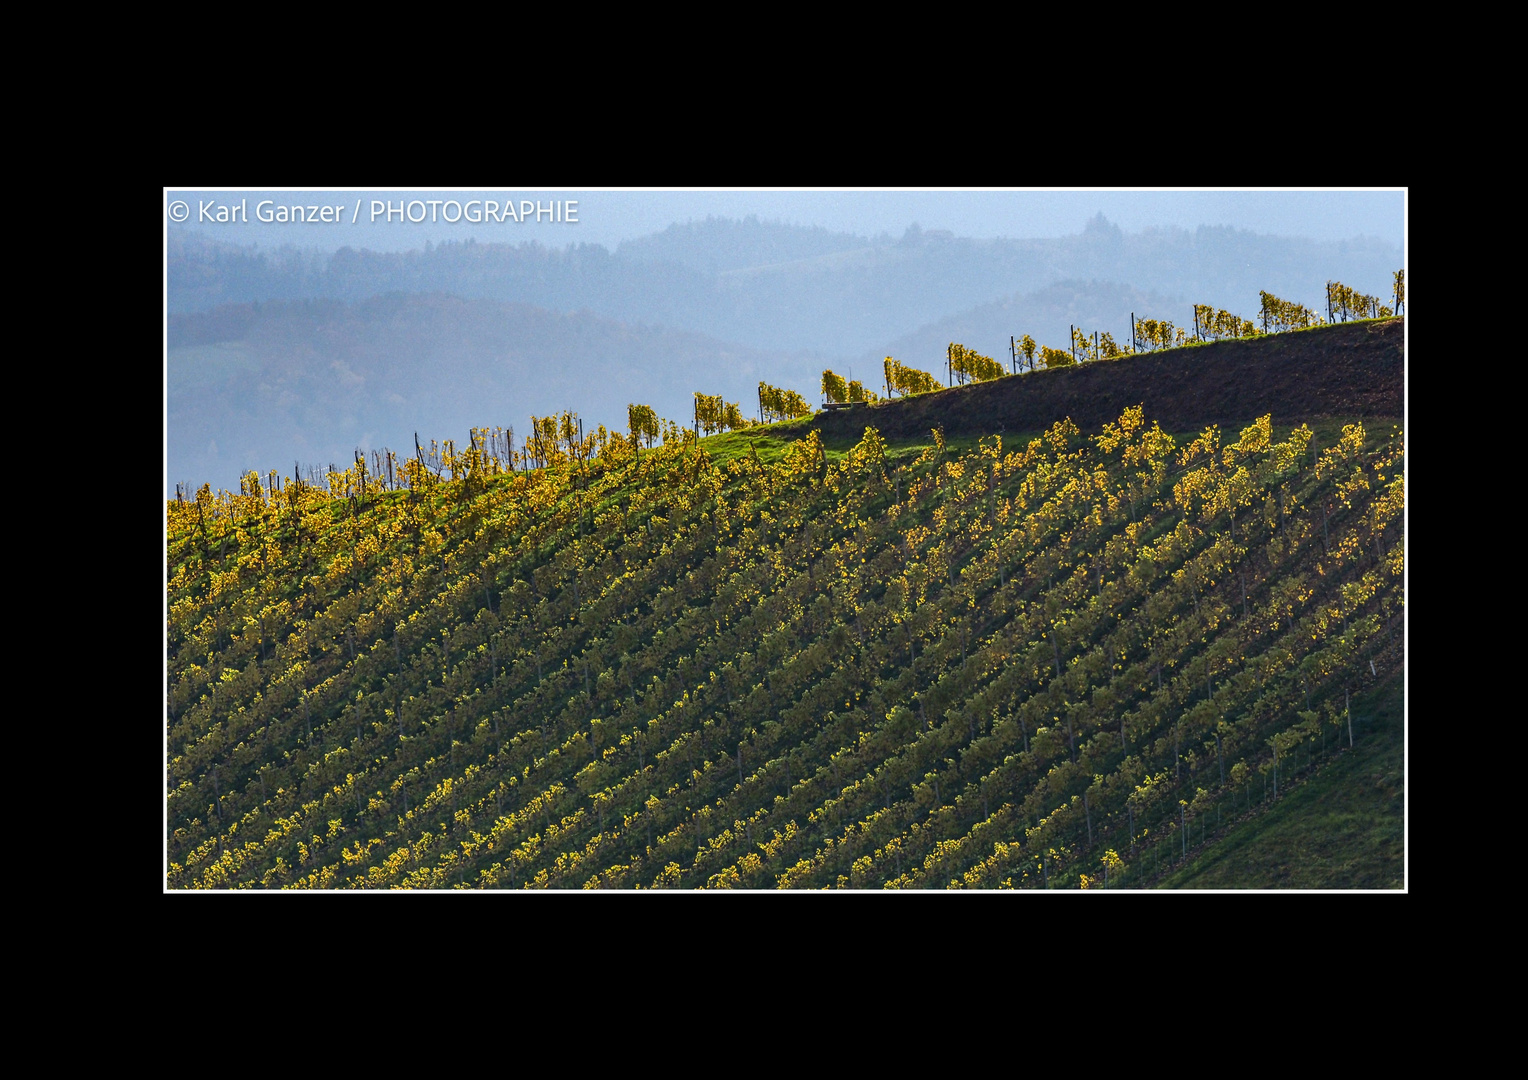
(391, 219)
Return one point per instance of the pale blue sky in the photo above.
(608, 216)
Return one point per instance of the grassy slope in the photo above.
(1344, 828)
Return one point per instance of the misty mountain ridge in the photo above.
(723, 245)
(773, 286)
(261, 385)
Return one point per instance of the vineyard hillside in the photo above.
(896, 647)
(1349, 369)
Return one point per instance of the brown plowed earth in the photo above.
(1353, 369)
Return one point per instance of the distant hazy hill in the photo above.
(257, 386)
(717, 245)
(774, 286)
(204, 274)
(1046, 315)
